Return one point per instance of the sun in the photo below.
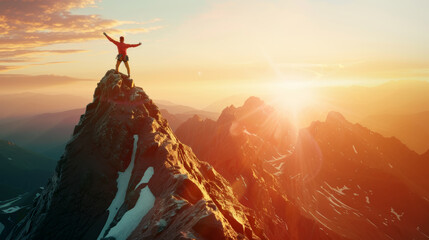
(298, 102)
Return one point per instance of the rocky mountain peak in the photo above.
(335, 117)
(253, 102)
(125, 175)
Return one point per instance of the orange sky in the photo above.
(196, 52)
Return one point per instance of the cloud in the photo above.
(48, 63)
(29, 55)
(16, 53)
(39, 23)
(4, 68)
(26, 25)
(11, 82)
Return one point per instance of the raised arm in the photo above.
(110, 39)
(134, 45)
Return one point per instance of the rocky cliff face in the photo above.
(358, 183)
(248, 145)
(125, 175)
(354, 183)
(253, 134)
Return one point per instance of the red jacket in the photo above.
(122, 47)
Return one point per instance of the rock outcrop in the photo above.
(125, 175)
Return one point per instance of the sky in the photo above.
(195, 52)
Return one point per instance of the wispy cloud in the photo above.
(27, 25)
(4, 68)
(25, 52)
(49, 63)
(30, 55)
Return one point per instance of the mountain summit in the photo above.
(125, 175)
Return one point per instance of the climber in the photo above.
(122, 52)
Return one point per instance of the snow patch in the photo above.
(182, 176)
(244, 181)
(354, 149)
(418, 229)
(338, 189)
(248, 133)
(367, 199)
(12, 209)
(275, 159)
(317, 219)
(390, 165)
(146, 177)
(398, 216)
(335, 201)
(371, 223)
(132, 218)
(122, 184)
(161, 224)
(37, 195)
(337, 211)
(322, 215)
(10, 201)
(189, 235)
(299, 174)
(388, 236)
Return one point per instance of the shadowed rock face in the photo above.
(124, 174)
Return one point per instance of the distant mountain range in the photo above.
(354, 182)
(358, 183)
(45, 133)
(48, 133)
(249, 174)
(22, 170)
(30, 104)
(411, 129)
(355, 102)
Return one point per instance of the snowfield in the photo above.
(146, 177)
(131, 219)
(122, 183)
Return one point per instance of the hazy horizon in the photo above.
(209, 50)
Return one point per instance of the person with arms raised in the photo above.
(122, 51)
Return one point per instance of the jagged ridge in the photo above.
(122, 124)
